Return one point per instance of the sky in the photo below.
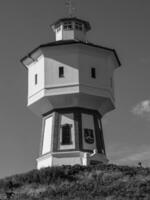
(119, 24)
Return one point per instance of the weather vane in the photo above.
(71, 9)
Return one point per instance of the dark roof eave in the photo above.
(58, 43)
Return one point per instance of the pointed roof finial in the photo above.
(71, 9)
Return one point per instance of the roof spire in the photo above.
(71, 9)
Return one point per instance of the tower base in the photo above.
(71, 136)
(70, 158)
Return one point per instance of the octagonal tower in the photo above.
(70, 84)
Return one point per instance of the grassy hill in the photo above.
(109, 182)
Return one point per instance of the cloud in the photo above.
(142, 109)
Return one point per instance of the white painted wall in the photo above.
(47, 140)
(93, 57)
(66, 161)
(58, 34)
(88, 122)
(77, 61)
(52, 79)
(36, 67)
(67, 119)
(45, 161)
(70, 34)
(77, 64)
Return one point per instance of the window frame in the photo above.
(78, 26)
(61, 71)
(68, 25)
(66, 140)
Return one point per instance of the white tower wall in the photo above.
(47, 139)
(70, 83)
(36, 71)
(77, 61)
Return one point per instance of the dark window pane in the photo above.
(66, 134)
(68, 26)
(93, 72)
(78, 26)
(36, 79)
(61, 72)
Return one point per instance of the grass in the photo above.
(104, 182)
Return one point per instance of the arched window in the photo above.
(66, 134)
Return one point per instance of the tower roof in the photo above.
(72, 19)
(70, 42)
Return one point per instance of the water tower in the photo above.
(70, 84)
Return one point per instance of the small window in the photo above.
(61, 72)
(36, 79)
(66, 134)
(93, 72)
(78, 26)
(68, 26)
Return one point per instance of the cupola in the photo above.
(71, 29)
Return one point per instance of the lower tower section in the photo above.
(71, 136)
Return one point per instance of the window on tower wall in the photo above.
(68, 26)
(78, 26)
(61, 72)
(93, 72)
(35, 79)
(66, 134)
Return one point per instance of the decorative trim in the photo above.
(97, 135)
(42, 137)
(73, 110)
(56, 132)
(76, 127)
(80, 131)
(42, 132)
(108, 91)
(102, 138)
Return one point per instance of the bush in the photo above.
(79, 182)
